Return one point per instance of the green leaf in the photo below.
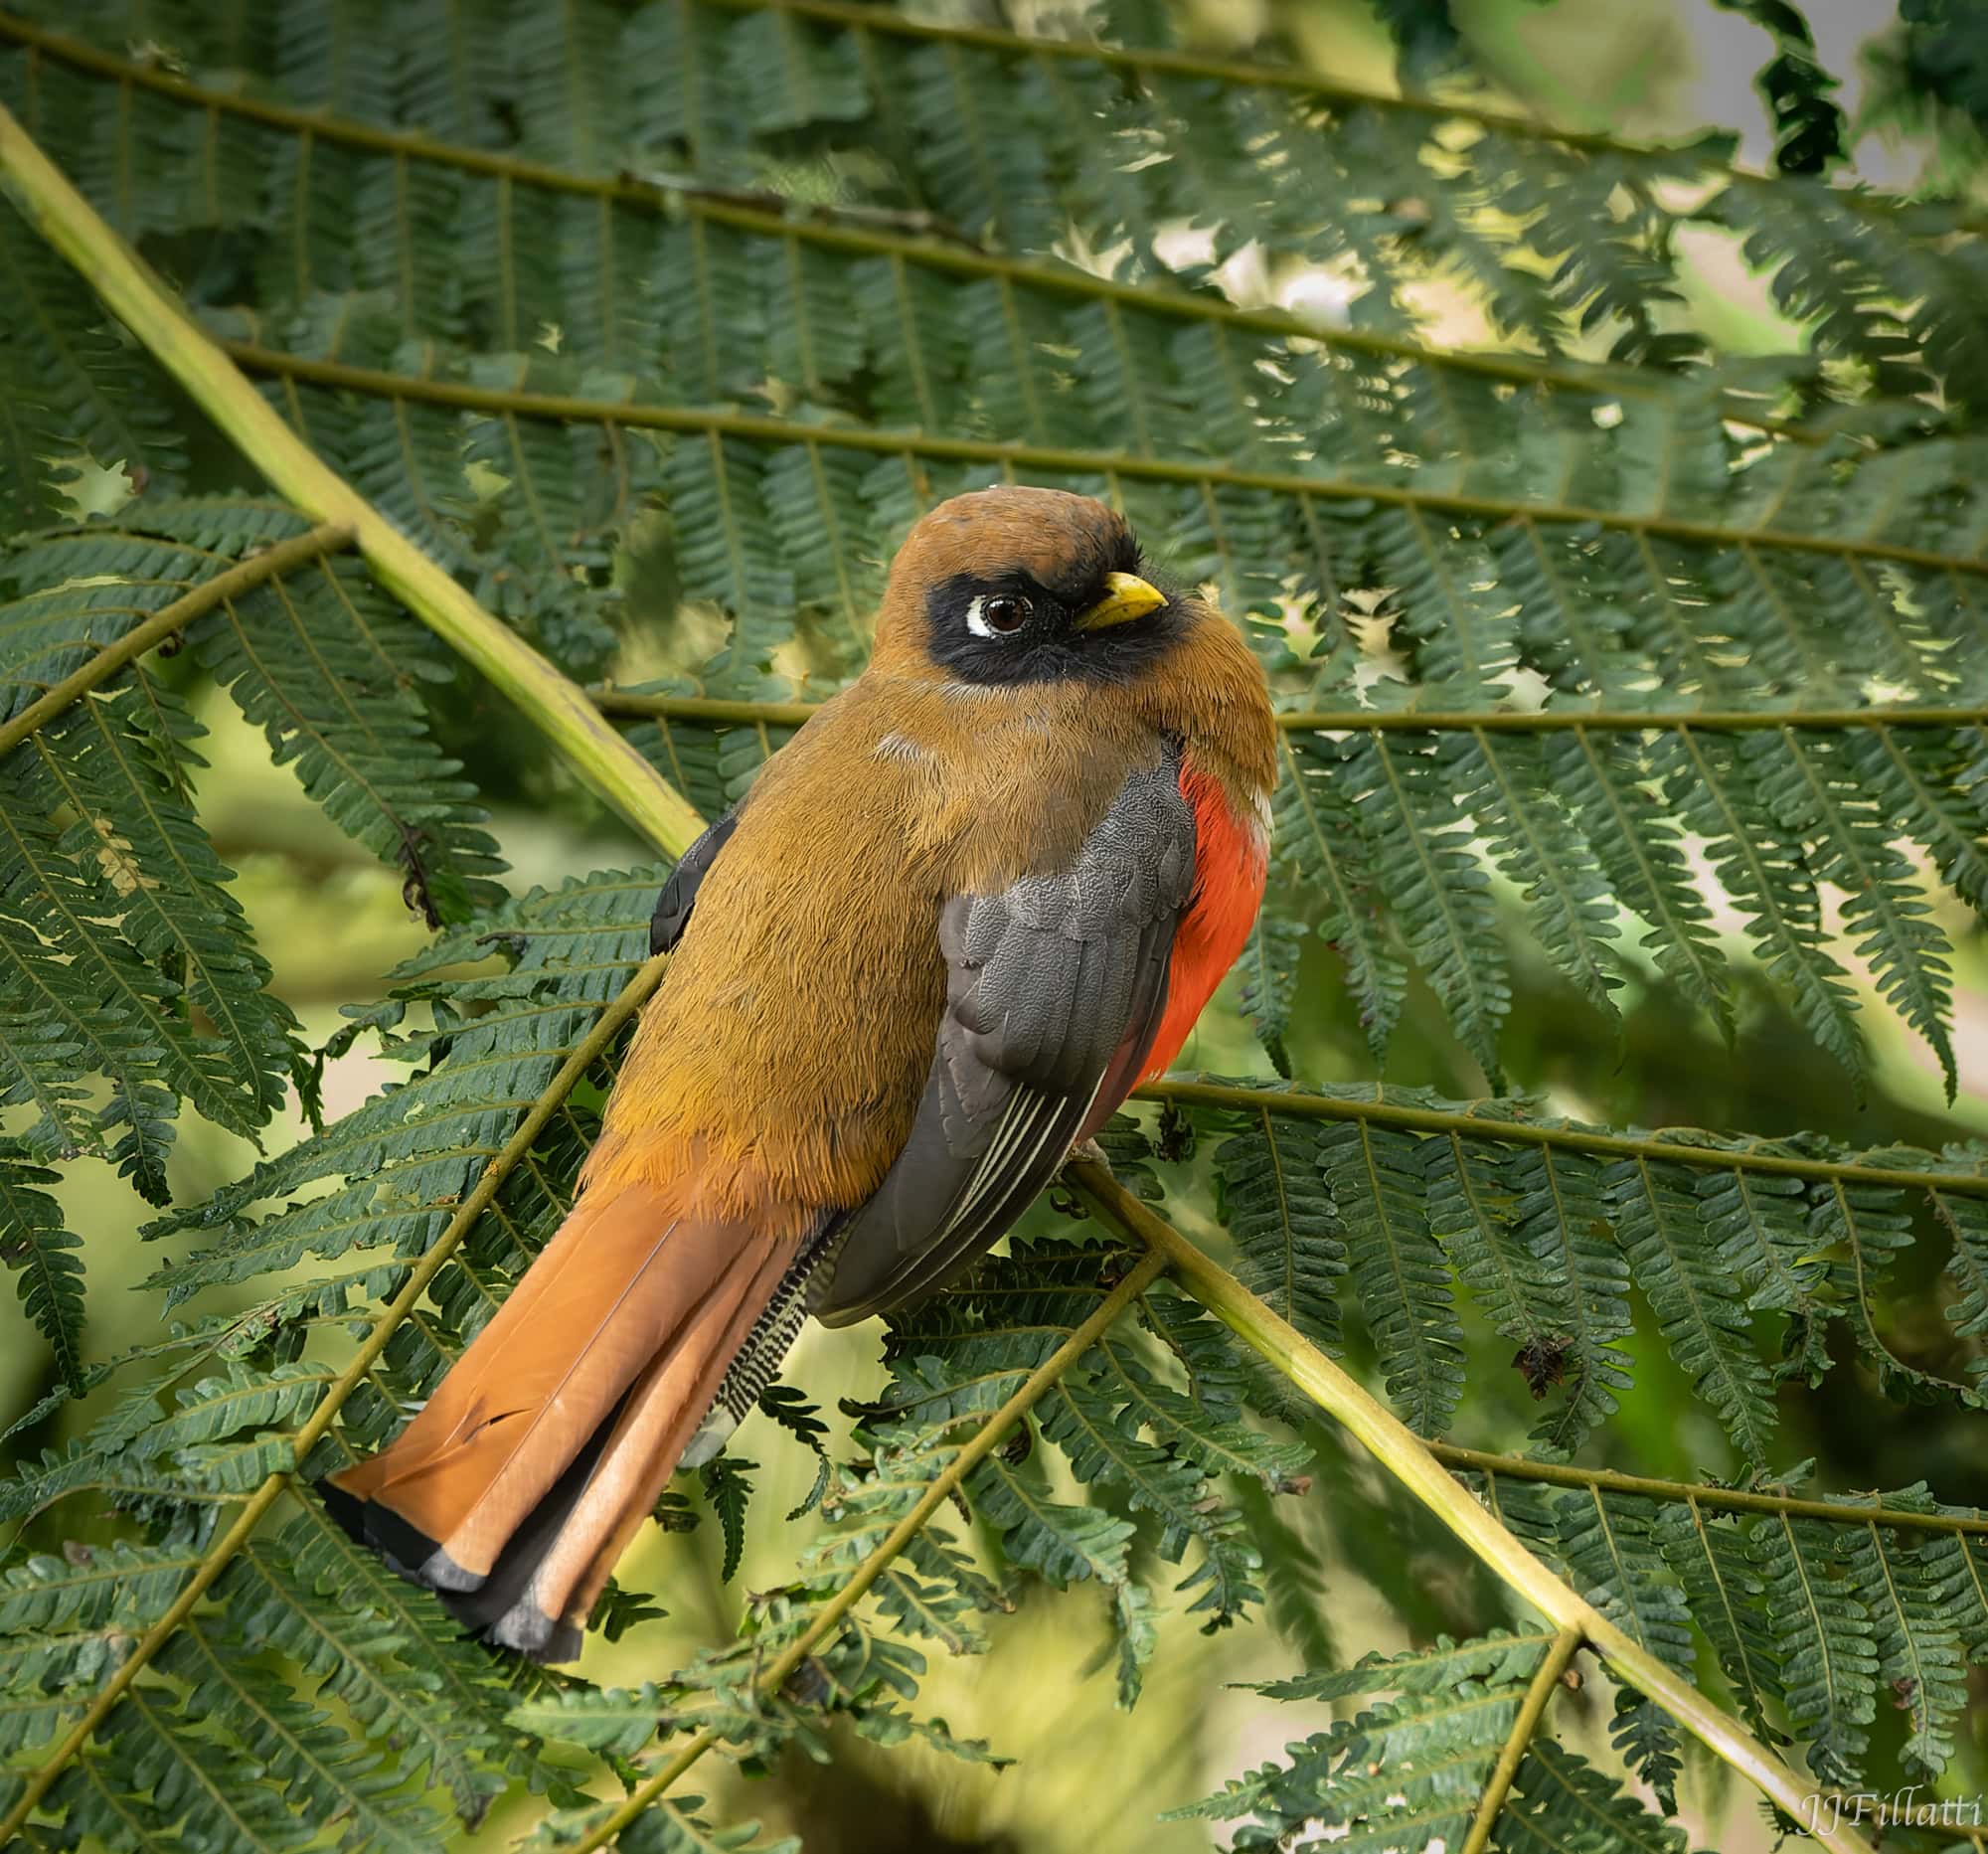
(1397, 1269)
(1704, 1322)
(36, 1244)
(1290, 1244)
(1823, 1640)
(317, 665)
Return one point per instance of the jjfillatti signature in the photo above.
(1825, 1813)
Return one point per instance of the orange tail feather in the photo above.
(519, 1483)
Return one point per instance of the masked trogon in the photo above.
(977, 898)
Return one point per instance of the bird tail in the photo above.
(526, 1474)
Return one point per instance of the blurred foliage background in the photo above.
(333, 922)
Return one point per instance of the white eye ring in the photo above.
(976, 615)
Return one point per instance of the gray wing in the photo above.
(1052, 984)
(679, 895)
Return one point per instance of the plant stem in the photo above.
(983, 1442)
(219, 1556)
(703, 709)
(1407, 1460)
(698, 708)
(1726, 1499)
(555, 705)
(245, 576)
(1062, 460)
(1306, 1106)
(1521, 1735)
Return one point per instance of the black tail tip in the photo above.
(507, 1619)
(408, 1548)
(347, 1508)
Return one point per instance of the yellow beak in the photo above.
(1128, 598)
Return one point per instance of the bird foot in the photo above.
(1088, 1149)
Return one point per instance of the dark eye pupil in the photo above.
(1005, 614)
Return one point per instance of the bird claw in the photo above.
(1088, 1150)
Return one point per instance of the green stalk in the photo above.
(1514, 1748)
(1063, 461)
(707, 708)
(1296, 1105)
(1838, 1512)
(1406, 1459)
(243, 578)
(558, 708)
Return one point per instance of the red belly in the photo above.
(1230, 860)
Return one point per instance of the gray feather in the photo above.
(757, 1361)
(1046, 982)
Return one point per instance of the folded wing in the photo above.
(1056, 988)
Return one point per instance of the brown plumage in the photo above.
(958, 916)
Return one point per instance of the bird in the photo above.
(982, 893)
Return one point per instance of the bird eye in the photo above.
(998, 614)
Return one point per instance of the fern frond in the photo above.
(1500, 1657)
(314, 667)
(1103, 1445)
(1071, 1544)
(675, 1825)
(1919, 1650)
(35, 1241)
(65, 1626)
(294, 1742)
(94, 598)
(1292, 1248)
(1559, 1801)
(1706, 1325)
(366, 1666)
(1823, 1643)
(403, 1656)
(1871, 1225)
(1610, 1546)
(1758, 1223)
(1397, 1269)
(185, 1787)
(1472, 1212)
(92, 396)
(1637, 846)
(1117, 1417)
(1315, 831)
(406, 1156)
(1816, 796)
(1409, 1770)
(1440, 892)
(119, 766)
(1506, 787)
(117, 1011)
(1269, 966)
(1557, 1213)
(1724, 1593)
(1710, 785)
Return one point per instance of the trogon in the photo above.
(980, 896)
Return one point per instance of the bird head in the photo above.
(1015, 586)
